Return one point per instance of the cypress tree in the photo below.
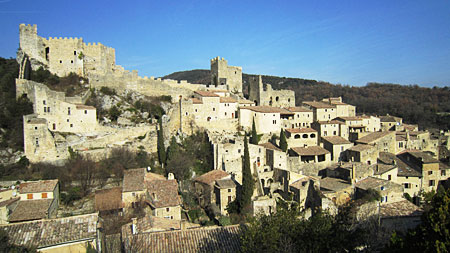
(160, 145)
(247, 179)
(172, 149)
(283, 142)
(254, 137)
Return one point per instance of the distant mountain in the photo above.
(428, 107)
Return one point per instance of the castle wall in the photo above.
(268, 96)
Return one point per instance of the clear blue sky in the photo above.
(347, 42)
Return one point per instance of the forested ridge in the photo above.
(428, 107)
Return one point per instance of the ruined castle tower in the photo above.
(230, 77)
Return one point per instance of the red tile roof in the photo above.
(267, 109)
(299, 109)
(210, 177)
(300, 130)
(227, 100)
(318, 105)
(269, 145)
(205, 239)
(163, 193)
(196, 101)
(336, 140)
(38, 186)
(310, 151)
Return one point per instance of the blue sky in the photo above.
(339, 41)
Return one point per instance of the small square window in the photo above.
(71, 125)
(430, 172)
(168, 209)
(60, 61)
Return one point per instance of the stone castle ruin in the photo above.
(264, 95)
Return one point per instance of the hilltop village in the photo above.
(318, 154)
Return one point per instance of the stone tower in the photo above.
(255, 88)
(230, 77)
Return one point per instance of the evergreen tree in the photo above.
(160, 145)
(254, 137)
(247, 179)
(172, 149)
(283, 142)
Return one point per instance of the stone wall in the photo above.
(224, 75)
(269, 97)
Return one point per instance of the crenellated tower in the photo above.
(230, 77)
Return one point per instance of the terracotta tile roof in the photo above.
(360, 147)
(267, 109)
(400, 208)
(205, 239)
(225, 183)
(269, 145)
(318, 105)
(163, 193)
(227, 100)
(300, 130)
(210, 177)
(8, 201)
(330, 122)
(311, 150)
(38, 186)
(46, 233)
(27, 210)
(350, 118)
(84, 107)
(204, 93)
(371, 182)
(373, 137)
(133, 180)
(383, 168)
(108, 199)
(333, 184)
(150, 176)
(336, 140)
(196, 101)
(299, 109)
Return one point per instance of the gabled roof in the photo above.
(133, 180)
(371, 182)
(302, 182)
(336, 140)
(333, 184)
(225, 183)
(108, 199)
(383, 168)
(330, 122)
(318, 105)
(310, 151)
(210, 177)
(205, 239)
(267, 109)
(400, 209)
(204, 93)
(300, 130)
(27, 210)
(163, 193)
(355, 118)
(46, 233)
(422, 156)
(360, 147)
(370, 138)
(389, 118)
(269, 145)
(38, 186)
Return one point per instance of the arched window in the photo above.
(208, 119)
(277, 98)
(305, 136)
(313, 135)
(297, 136)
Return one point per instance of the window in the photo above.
(168, 209)
(239, 151)
(334, 132)
(74, 52)
(214, 109)
(430, 172)
(431, 183)
(43, 101)
(382, 188)
(45, 109)
(274, 122)
(297, 136)
(229, 199)
(67, 120)
(305, 136)
(60, 61)
(85, 111)
(312, 136)
(389, 177)
(68, 110)
(35, 128)
(133, 194)
(71, 61)
(54, 126)
(442, 172)
(48, 109)
(407, 185)
(37, 142)
(229, 190)
(196, 110)
(71, 125)
(277, 98)
(324, 133)
(44, 195)
(30, 196)
(400, 144)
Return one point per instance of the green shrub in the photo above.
(108, 91)
(224, 221)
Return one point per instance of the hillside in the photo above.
(428, 107)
